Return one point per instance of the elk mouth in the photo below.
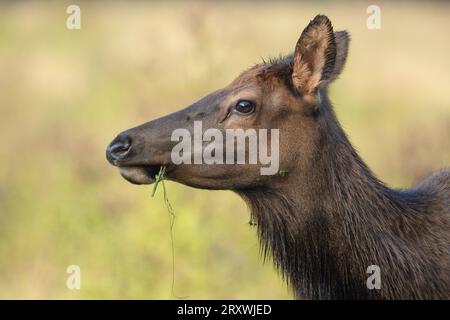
(140, 174)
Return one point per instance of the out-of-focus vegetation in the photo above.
(65, 94)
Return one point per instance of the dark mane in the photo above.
(323, 239)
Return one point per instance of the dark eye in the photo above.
(244, 106)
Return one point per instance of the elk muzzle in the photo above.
(141, 151)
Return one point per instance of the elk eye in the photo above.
(244, 106)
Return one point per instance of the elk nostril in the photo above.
(118, 149)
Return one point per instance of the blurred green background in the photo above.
(64, 94)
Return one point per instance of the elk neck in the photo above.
(322, 225)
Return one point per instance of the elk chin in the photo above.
(139, 174)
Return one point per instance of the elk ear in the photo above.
(342, 39)
(314, 56)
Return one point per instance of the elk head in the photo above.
(285, 94)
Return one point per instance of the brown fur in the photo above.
(328, 217)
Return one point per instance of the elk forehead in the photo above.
(262, 77)
(280, 68)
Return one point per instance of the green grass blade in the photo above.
(159, 177)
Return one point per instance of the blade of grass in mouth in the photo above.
(160, 178)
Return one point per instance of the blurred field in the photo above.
(65, 94)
